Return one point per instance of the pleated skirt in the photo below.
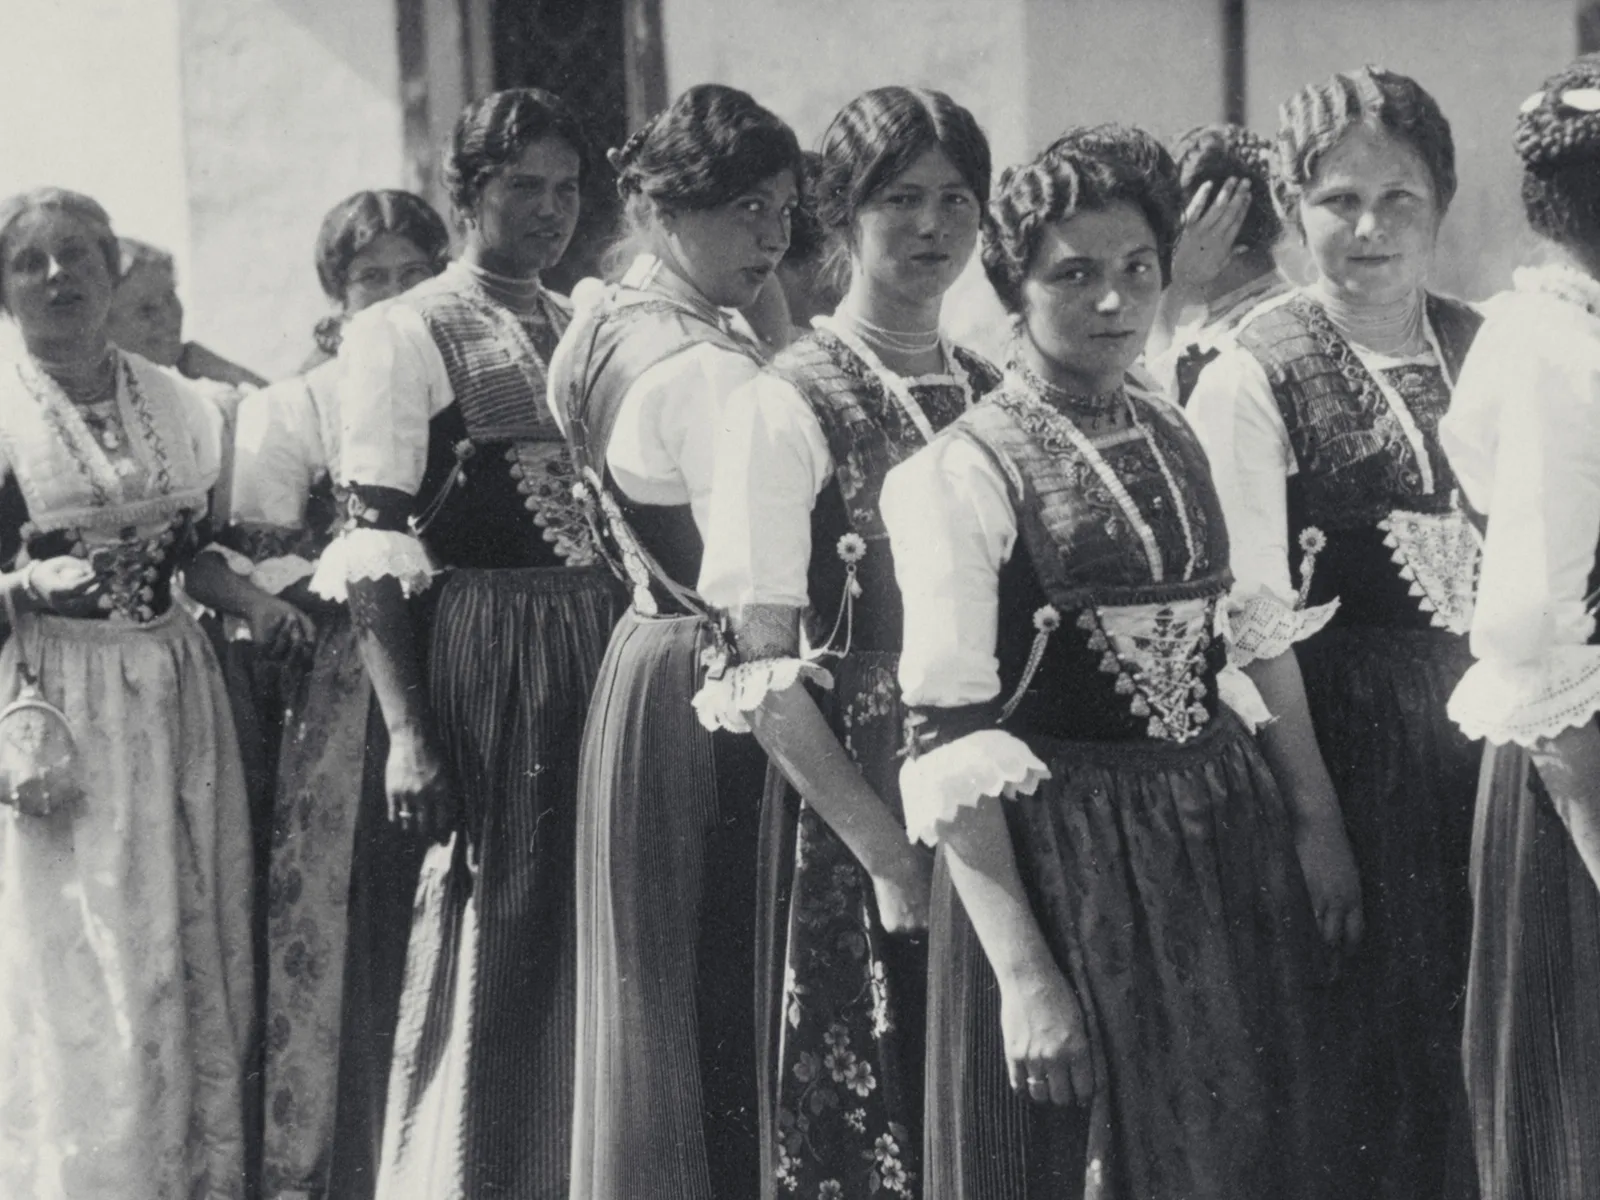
(1165, 881)
(1406, 780)
(841, 1002)
(126, 978)
(1532, 1041)
(480, 1094)
(667, 816)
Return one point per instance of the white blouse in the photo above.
(663, 441)
(1523, 435)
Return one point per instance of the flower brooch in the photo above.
(1312, 543)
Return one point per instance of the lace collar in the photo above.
(1561, 281)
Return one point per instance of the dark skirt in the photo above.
(1165, 880)
(480, 1096)
(841, 1003)
(1406, 780)
(667, 818)
(1532, 1042)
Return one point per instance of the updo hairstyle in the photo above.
(1084, 170)
(711, 145)
(1215, 154)
(85, 208)
(1311, 122)
(354, 224)
(1558, 140)
(494, 131)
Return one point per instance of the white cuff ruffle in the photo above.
(936, 786)
(1524, 704)
(1262, 626)
(276, 574)
(372, 554)
(722, 703)
(1239, 692)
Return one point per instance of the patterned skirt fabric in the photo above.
(126, 992)
(1532, 1043)
(1406, 780)
(1165, 880)
(841, 1002)
(480, 1096)
(667, 819)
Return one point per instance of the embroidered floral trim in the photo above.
(936, 786)
(1525, 704)
(130, 569)
(372, 554)
(545, 477)
(1160, 667)
(1261, 626)
(723, 701)
(1439, 554)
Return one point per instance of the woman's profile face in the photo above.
(527, 210)
(730, 251)
(57, 282)
(914, 236)
(387, 266)
(1371, 217)
(1091, 292)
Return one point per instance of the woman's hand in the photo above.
(1329, 867)
(421, 797)
(64, 586)
(278, 627)
(903, 891)
(1047, 1043)
(1211, 225)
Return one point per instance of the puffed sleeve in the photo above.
(1535, 675)
(206, 416)
(278, 454)
(771, 461)
(393, 382)
(1236, 419)
(951, 526)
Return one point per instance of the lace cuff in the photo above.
(936, 786)
(723, 702)
(1239, 692)
(281, 572)
(1524, 704)
(1262, 626)
(372, 554)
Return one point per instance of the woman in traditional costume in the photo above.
(1524, 437)
(342, 877)
(795, 530)
(667, 813)
(1355, 566)
(126, 1009)
(455, 467)
(1122, 944)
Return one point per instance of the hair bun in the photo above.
(1560, 124)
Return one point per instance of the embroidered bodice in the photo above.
(128, 502)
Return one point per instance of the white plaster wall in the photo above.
(288, 106)
(90, 97)
(1479, 58)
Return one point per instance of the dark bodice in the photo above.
(868, 433)
(656, 549)
(1355, 463)
(1084, 562)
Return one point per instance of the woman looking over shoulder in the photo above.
(342, 877)
(1524, 436)
(126, 1006)
(665, 1078)
(795, 529)
(454, 465)
(1355, 567)
(1122, 947)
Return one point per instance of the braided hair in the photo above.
(494, 131)
(1314, 119)
(710, 146)
(1084, 170)
(1216, 153)
(1558, 139)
